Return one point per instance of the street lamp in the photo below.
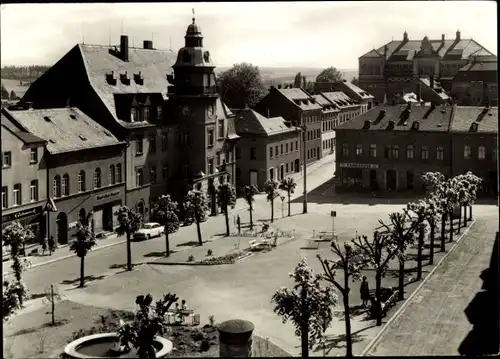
(282, 206)
(303, 128)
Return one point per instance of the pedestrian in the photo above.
(364, 290)
(52, 245)
(44, 245)
(238, 222)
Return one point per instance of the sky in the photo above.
(280, 34)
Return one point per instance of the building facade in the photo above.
(329, 118)
(24, 175)
(396, 67)
(476, 84)
(84, 165)
(268, 149)
(300, 109)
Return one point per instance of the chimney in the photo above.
(148, 44)
(405, 36)
(419, 92)
(457, 39)
(442, 39)
(432, 81)
(124, 47)
(385, 51)
(367, 124)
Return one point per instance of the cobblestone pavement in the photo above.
(434, 323)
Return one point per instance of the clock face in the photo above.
(186, 111)
(210, 111)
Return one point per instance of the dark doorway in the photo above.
(373, 180)
(318, 153)
(82, 217)
(140, 208)
(409, 180)
(107, 217)
(282, 171)
(271, 173)
(297, 165)
(62, 228)
(391, 180)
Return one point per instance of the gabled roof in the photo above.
(154, 66)
(372, 53)
(249, 122)
(465, 116)
(340, 99)
(327, 105)
(300, 98)
(25, 137)
(449, 49)
(431, 120)
(65, 129)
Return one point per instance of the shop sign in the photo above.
(358, 165)
(22, 214)
(107, 195)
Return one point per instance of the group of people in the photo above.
(367, 297)
(50, 243)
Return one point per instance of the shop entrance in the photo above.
(391, 180)
(373, 180)
(62, 228)
(107, 218)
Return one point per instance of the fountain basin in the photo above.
(99, 346)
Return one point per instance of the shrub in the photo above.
(204, 346)
(191, 258)
(209, 252)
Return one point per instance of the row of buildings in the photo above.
(118, 125)
(458, 70)
(389, 147)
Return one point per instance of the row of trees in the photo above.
(23, 72)
(308, 306)
(8, 96)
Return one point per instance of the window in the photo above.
(439, 153)
(111, 175)
(210, 137)
(159, 112)
(164, 171)
(286, 148)
(217, 157)
(373, 150)
(152, 174)
(359, 150)
(291, 146)
(139, 177)
(133, 115)
(286, 168)
(228, 156)
(119, 173)
(221, 129)
(238, 153)
(81, 181)
(481, 152)
(34, 191)
(345, 149)
(253, 154)
(65, 185)
(145, 112)
(271, 152)
(97, 178)
(164, 141)
(425, 153)
(34, 155)
(152, 144)
(210, 166)
(281, 146)
(17, 194)
(296, 145)
(138, 146)
(5, 197)
(467, 152)
(7, 159)
(56, 186)
(409, 152)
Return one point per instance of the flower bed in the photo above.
(227, 259)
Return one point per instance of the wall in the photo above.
(287, 159)
(329, 120)
(244, 163)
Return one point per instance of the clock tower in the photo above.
(195, 101)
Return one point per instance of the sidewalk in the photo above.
(64, 252)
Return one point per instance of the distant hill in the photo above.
(280, 75)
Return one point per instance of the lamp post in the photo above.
(282, 206)
(303, 127)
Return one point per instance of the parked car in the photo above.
(148, 231)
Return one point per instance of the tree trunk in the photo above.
(378, 287)
(167, 242)
(459, 219)
(347, 316)
(226, 213)
(304, 330)
(451, 227)
(401, 279)
(250, 209)
(288, 204)
(431, 249)
(470, 213)
(443, 230)
(129, 253)
(272, 211)
(419, 254)
(465, 215)
(198, 229)
(82, 271)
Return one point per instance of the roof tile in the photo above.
(249, 122)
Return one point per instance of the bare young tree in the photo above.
(129, 223)
(226, 197)
(249, 194)
(85, 240)
(166, 210)
(195, 205)
(420, 210)
(349, 262)
(288, 185)
(272, 192)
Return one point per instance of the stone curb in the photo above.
(407, 301)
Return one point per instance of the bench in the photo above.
(389, 303)
(253, 244)
(179, 317)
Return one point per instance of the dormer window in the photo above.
(145, 113)
(125, 78)
(473, 127)
(111, 78)
(206, 56)
(297, 102)
(415, 125)
(139, 78)
(133, 115)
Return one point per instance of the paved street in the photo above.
(434, 322)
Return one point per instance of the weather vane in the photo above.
(193, 15)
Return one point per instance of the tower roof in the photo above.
(193, 29)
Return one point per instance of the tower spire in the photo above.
(193, 15)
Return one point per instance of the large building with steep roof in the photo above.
(268, 149)
(165, 105)
(396, 68)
